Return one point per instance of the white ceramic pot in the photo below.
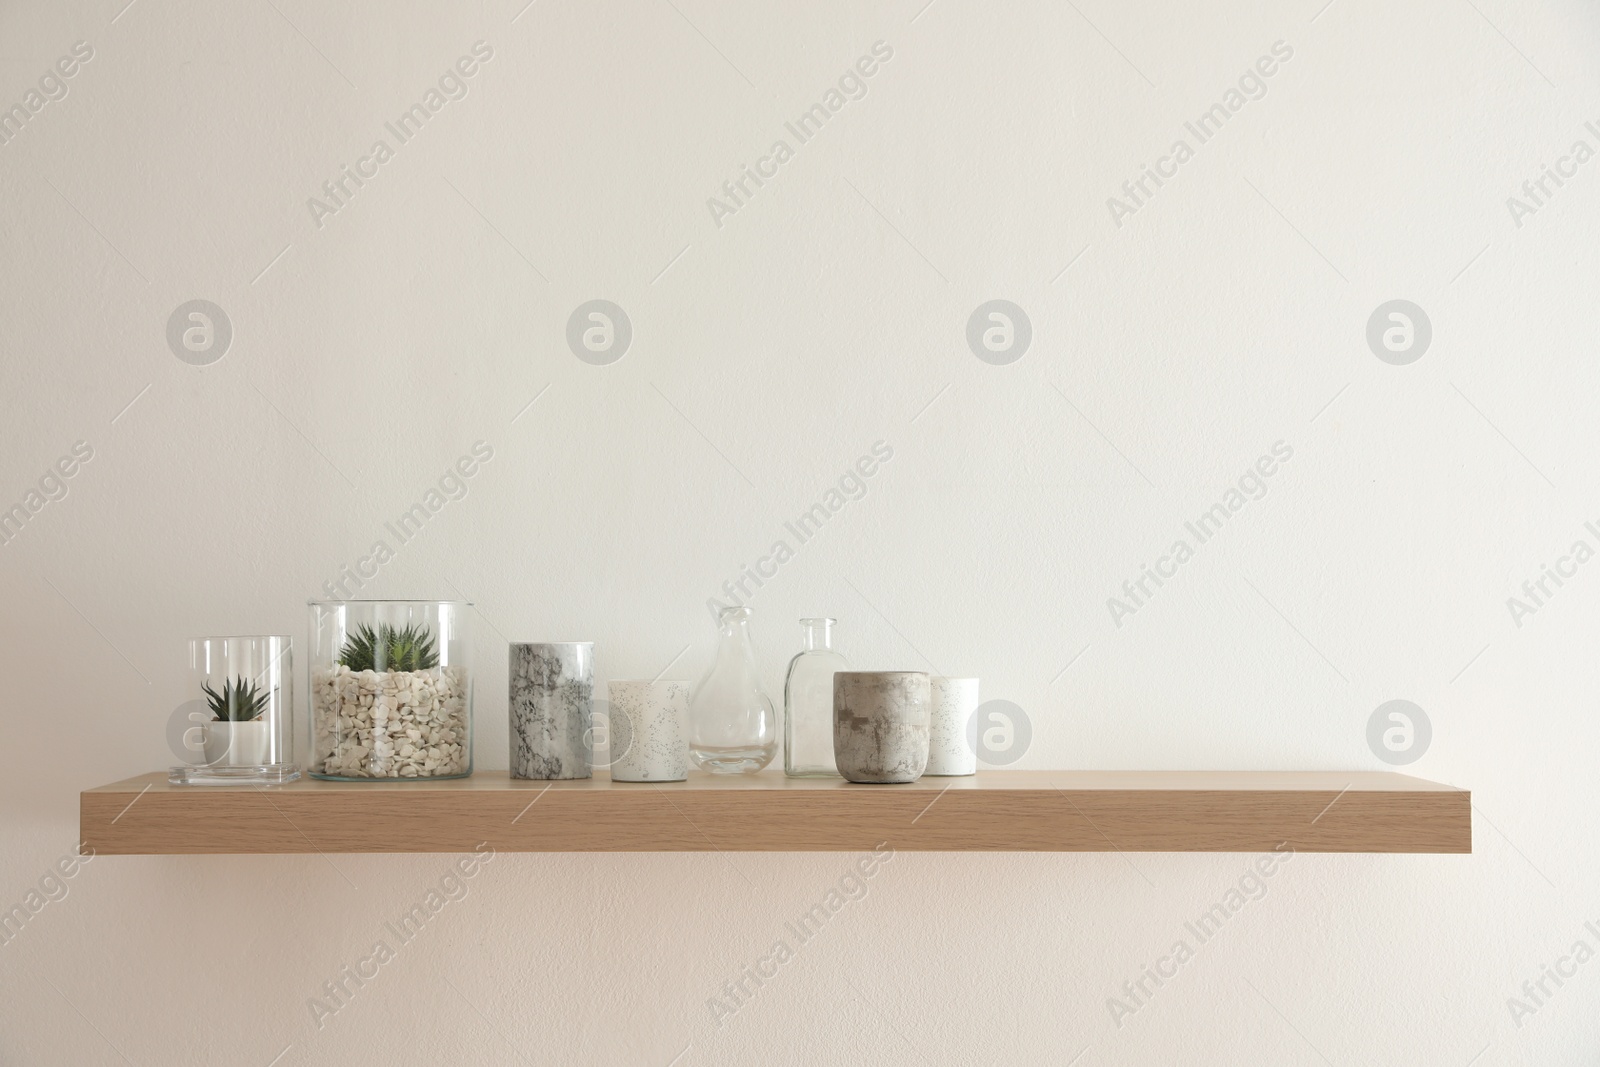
(236, 744)
(648, 735)
(950, 752)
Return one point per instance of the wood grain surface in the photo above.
(994, 811)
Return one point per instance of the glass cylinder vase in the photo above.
(391, 690)
(239, 719)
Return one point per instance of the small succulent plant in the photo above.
(389, 649)
(239, 701)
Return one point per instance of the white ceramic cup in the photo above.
(949, 750)
(648, 722)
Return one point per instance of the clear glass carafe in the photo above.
(733, 728)
(808, 704)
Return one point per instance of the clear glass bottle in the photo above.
(808, 704)
(733, 728)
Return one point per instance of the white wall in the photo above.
(1226, 314)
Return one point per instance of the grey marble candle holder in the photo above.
(552, 709)
(880, 725)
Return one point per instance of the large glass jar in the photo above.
(238, 724)
(808, 703)
(391, 690)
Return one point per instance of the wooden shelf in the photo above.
(995, 811)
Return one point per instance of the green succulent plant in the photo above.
(239, 701)
(389, 649)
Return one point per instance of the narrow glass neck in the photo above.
(735, 634)
(818, 634)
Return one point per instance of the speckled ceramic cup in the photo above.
(880, 725)
(949, 751)
(647, 724)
